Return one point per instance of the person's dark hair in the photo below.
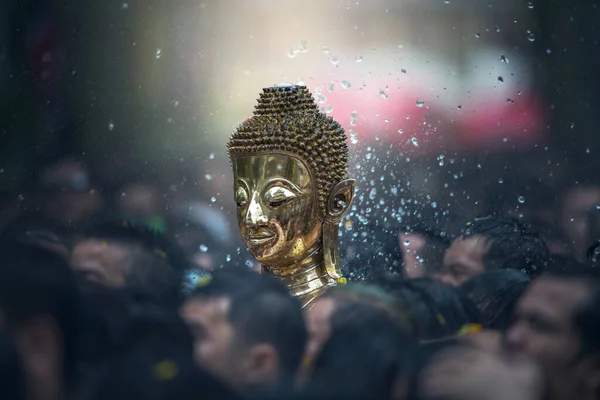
(376, 297)
(564, 265)
(496, 294)
(362, 358)
(151, 357)
(440, 309)
(155, 263)
(37, 282)
(261, 310)
(373, 256)
(11, 371)
(510, 244)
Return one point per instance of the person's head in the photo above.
(119, 254)
(318, 317)
(440, 310)
(423, 251)
(150, 357)
(248, 329)
(557, 324)
(362, 357)
(38, 299)
(496, 294)
(373, 255)
(492, 243)
(289, 163)
(67, 195)
(579, 217)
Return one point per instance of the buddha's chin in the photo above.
(263, 251)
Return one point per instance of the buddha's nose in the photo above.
(255, 215)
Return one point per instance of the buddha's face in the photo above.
(277, 207)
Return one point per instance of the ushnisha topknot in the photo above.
(287, 118)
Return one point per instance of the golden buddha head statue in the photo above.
(290, 164)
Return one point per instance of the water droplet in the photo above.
(500, 79)
(372, 193)
(459, 107)
(329, 109)
(446, 1)
(353, 118)
(504, 59)
(301, 48)
(158, 53)
(415, 142)
(358, 59)
(400, 131)
(228, 258)
(403, 71)
(330, 86)
(346, 84)
(111, 125)
(434, 205)
(353, 136)
(587, 151)
(420, 103)
(521, 199)
(530, 36)
(203, 248)
(334, 61)
(548, 51)
(125, 5)
(208, 177)
(211, 156)
(383, 94)
(477, 35)
(530, 5)
(213, 199)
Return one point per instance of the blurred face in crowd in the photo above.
(213, 337)
(100, 261)
(578, 204)
(411, 244)
(140, 201)
(464, 260)
(222, 350)
(68, 197)
(544, 331)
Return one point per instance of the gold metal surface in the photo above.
(290, 164)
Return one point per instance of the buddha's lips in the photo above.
(260, 237)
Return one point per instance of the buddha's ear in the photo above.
(340, 199)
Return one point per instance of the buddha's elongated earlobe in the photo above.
(339, 202)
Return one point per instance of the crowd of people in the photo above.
(129, 305)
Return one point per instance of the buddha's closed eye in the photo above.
(278, 196)
(241, 197)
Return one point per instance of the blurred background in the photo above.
(123, 108)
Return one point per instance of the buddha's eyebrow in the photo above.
(241, 182)
(283, 182)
